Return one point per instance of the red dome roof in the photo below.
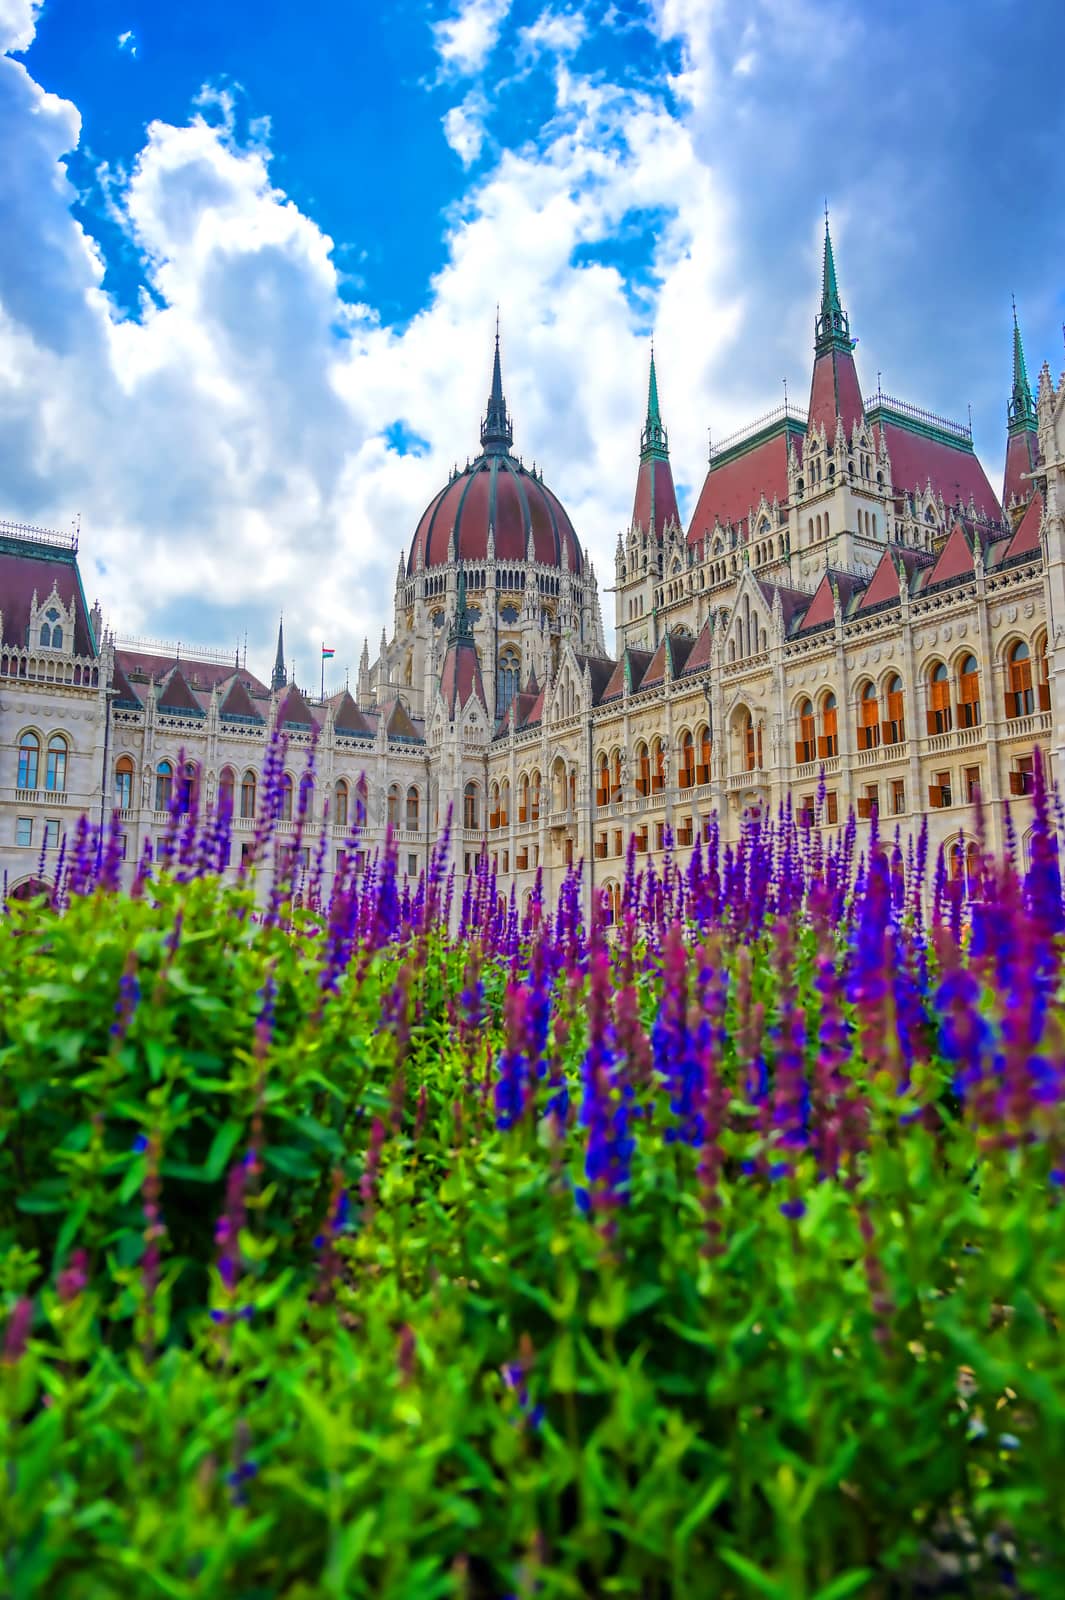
(497, 491)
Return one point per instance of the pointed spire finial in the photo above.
(833, 325)
(1021, 407)
(279, 679)
(497, 432)
(461, 627)
(654, 440)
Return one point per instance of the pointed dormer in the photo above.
(279, 677)
(497, 433)
(1022, 441)
(834, 389)
(655, 505)
(460, 673)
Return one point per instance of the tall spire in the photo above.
(833, 325)
(461, 627)
(279, 679)
(654, 441)
(497, 433)
(1021, 406)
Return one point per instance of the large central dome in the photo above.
(496, 491)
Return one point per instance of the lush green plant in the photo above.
(523, 1262)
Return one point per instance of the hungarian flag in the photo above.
(327, 652)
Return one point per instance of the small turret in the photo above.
(279, 677)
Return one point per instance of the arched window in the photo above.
(868, 718)
(534, 795)
(286, 798)
(752, 744)
(507, 676)
(686, 775)
(1020, 697)
(340, 803)
(894, 726)
(227, 783)
(393, 806)
(963, 864)
(248, 785)
(523, 798)
(51, 630)
(806, 743)
(412, 808)
(828, 744)
(493, 807)
(189, 785)
(124, 783)
(702, 771)
(55, 772)
(29, 758)
(968, 693)
(471, 809)
(939, 712)
(362, 801)
(164, 786)
(658, 776)
(1042, 674)
(643, 769)
(504, 803)
(602, 780)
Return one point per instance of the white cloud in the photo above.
(18, 24)
(226, 449)
(465, 40)
(464, 127)
(127, 41)
(553, 33)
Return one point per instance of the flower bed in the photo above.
(718, 1253)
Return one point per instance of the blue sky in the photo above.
(249, 324)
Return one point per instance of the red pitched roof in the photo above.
(834, 391)
(177, 696)
(460, 676)
(26, 567)
(237, 702)
(954, 471)
(884, 584)
(700, 652)
(821, 608)
(347, 718)
(1026, 539)
(199, 674)
(124, 693)
(656, 499)
(1022, 456)
(294, 708)
(733, 489)
(656, 672)
(399, 725)
(955, 560)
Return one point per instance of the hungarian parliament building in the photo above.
(852, 620)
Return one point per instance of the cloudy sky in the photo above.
(251, 255)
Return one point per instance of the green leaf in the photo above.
(847, 1583)
(759, 1580)
(707, 1503)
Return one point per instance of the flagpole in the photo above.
(323, 674)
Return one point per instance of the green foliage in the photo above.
(816, 1409)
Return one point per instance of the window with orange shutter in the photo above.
(969, 694)
(939, 712)
(894, 727)
(828, 744)
(868, 719)
(1020, 700)
(806, 744)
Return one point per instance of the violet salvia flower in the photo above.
(227, 1229)
(606, 1108)
(244, 1469)
(325, 1241)
(18, 1331)
(129, 993)
(675, 1059)
(512, 1068)
(516, 1377)
(154, 1231)
(372, 1169)
(74, 1277)
(791, 1092)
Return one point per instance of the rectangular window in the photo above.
(342, 860)
(24, 831)
(832, 808)
(412, 866)
(51, 835)
(660, 835)
(898, 796)
(971, 780)
(939, 794)
(123, 848)
(619, 841)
